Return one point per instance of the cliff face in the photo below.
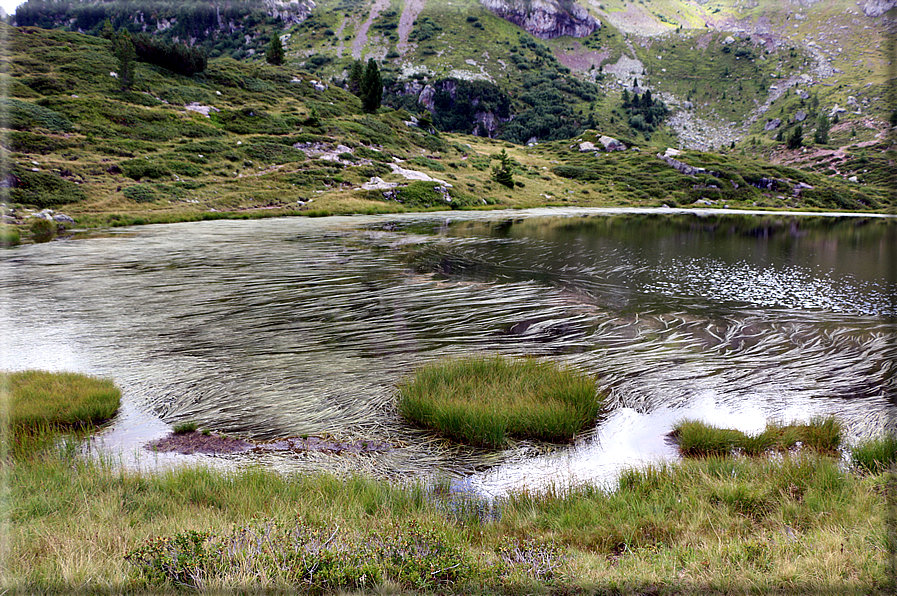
(545, 19)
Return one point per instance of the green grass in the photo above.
(797, 523)
(35, 399)
(183, 428)
(875, 455)
(485, 401)
(698, 439)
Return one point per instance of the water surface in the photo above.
(284, 327)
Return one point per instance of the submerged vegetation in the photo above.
(486, 401)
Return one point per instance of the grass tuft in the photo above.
(36, 399)
(698, 439)
(875, 455)
(182, 428)
(484, 401)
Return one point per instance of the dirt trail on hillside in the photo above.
(361, 37)
(406, 23)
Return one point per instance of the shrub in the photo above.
(140, 193)
(486, 400)
(176, 57)
(24, 115)
(144, 168)
(43, 189)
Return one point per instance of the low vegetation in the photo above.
(875, 455)
(67, 400)
(797, 523)
(698, 439)
(486, 401)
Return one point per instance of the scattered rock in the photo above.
(772, 124)
(853, 179)
(63, 218)
(876, 8)
(546, 19)
(670, 152)
(683, 168)
(836, 110)
(377, 183)
(611, 144)
(204, 110)
(801, 186)
(587, 146)
(800, 116)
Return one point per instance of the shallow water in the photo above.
(286, 327)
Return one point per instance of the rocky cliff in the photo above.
(546, 19)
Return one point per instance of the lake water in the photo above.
(287, 327)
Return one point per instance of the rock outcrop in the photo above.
(546, 19)
(876, 8)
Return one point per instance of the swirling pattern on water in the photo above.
(274, 328)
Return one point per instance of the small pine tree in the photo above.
(502, 172)
(274, 54)
(796, 138)
(126, 56)
(108, 31)
(356, 76)
(820, 137)
(371, 88)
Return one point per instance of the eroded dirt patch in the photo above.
(214, 444)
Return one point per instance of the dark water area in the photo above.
(276, 328)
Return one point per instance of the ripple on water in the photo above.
(276, 328)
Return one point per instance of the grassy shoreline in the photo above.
(797, 524)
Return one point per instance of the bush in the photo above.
(24, 115)
(141, 193)
(176, 57)
(43, 189)
(144, 168)
(486, 400)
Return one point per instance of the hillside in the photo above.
(244, 138)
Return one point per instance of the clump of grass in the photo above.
(66, 400)
(698, 439)
(875, 455)
(182, 428)
(484, 401)
(9, 235)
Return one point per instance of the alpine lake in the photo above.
(273, 330)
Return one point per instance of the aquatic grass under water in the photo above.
(698, 439)
(484, 401)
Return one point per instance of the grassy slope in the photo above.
(240, 161)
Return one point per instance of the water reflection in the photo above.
(274, 328)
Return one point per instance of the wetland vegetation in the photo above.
(797, 523)
(486, 401)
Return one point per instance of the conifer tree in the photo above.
(502, 172)
(822, 129)
(356, 76)
(274, 54)
(126, 56)
(371, 88)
